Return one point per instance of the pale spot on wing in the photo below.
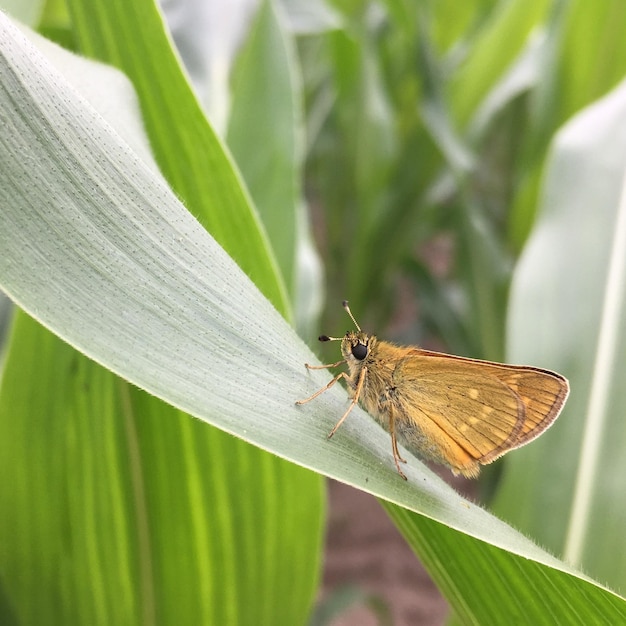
(473, 393)
(469, 424)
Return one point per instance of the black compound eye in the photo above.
(359, 351)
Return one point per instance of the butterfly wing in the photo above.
(543, 394)
(467, 411)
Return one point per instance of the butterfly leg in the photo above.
(323, 389)
(394, 442)
(355, 399)
(324, 367)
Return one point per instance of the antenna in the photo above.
(347, 308)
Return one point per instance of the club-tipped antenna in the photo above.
(347, 308)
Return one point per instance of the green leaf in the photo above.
(98, 249)
(486, 585)
(567, 313)
(592, 36)
(265, 133)
(583, 58)
(263, 114)
(185, 146)
(117, 508)
(27, 11)
(496, 45)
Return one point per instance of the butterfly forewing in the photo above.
(480, 416)
(493, 410)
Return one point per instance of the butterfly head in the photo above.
(355, 347)
(355, 344)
